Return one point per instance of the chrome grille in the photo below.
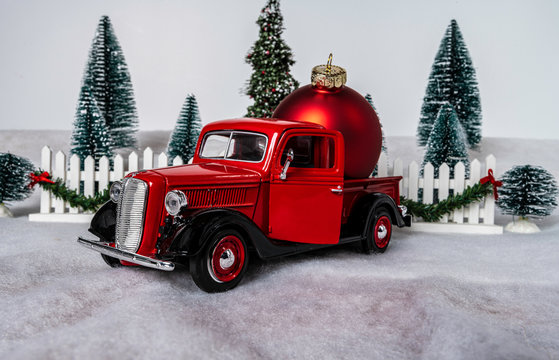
(130, 214)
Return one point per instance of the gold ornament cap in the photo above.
(328, 76)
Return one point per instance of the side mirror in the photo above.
(288, 160)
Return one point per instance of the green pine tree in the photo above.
(185, 136)
(447, 142)
(14, 177)
(90, 135)
(271, 59)
(369, 99)
(528, 191)
(106, 74)
(453, 80)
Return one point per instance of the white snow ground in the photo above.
(429, 296)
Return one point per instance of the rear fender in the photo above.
(380, 200)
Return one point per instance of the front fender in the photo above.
(199, 228)
(103, 224)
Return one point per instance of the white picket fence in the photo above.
(477, 218)
(56, 210)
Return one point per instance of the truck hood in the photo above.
(206, 174)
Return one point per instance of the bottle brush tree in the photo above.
(447, 142)
(271, 59)
(14, 178)
(187, 130)
(90, 136)
(527, 191)
(106, 74)
(453, 80)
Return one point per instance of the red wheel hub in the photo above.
(227, 259)
(382, 230)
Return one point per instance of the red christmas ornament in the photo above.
(273, 90)
(328, 102)
(263, 72)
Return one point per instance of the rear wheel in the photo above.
(221, 264)
(380, 232)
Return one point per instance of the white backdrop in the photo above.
(177, 47)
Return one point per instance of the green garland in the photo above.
(61, 191)
(428, 212)
(434, 212)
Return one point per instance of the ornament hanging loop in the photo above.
(329, 64)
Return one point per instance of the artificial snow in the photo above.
(430, 296)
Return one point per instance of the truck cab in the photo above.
(256, 187)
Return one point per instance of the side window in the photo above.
(312, 152)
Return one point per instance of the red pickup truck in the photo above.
(255, 187)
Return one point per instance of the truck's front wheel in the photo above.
(221, 263)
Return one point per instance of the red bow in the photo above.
(490, 178)
(35, 179)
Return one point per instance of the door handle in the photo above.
(337, 190)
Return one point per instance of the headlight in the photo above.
(116, 189)
(174, 202)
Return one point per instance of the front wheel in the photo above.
(111, 261)
(221, 264)
(380, 232)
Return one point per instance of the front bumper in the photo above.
(130, 257)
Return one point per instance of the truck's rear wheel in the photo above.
(222, 263)
(380, 232)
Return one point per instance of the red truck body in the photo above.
(272, 186)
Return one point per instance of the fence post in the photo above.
(177, 161)
(148, 158)
(75, 164)
(459, 173)
(428, 183)
(132, 162)
(382, 165)
(89, 176)
(489, 208)
(118, 171)
(413, 183)
(46, 165)
(444, 184)
(475, 170)
(399, 171)
(162, 160)
(103, 174)
(60, 172)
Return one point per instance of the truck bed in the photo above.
(354, 189)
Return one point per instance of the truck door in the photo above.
(306, 200)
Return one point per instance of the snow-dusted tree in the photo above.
(447, 143)
(369, 99)
(106, 74)
(184, 137)
(271, 59)
(453, 80)
(90, 135)
(14, 178)
(527, 191)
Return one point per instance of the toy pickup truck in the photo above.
(261, 187)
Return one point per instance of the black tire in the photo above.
(221, 264)
(379, 232)
(111, 261)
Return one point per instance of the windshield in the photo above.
(234, 145)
